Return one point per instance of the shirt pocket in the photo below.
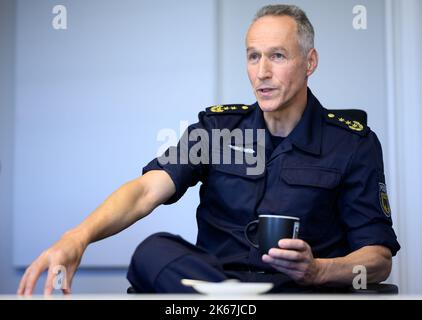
(311, 177)
(233, 193)
(310, 193)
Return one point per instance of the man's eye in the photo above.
(278, 56)
(253, 57)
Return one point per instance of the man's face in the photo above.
(277, 68)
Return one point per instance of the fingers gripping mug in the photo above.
(272, 228)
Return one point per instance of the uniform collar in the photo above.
(308, 132)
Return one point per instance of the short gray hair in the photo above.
(305, 29)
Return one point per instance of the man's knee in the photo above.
(149, 258)
(148, 249)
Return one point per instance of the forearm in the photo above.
(376, 260)
(122, 208)
(128, 204)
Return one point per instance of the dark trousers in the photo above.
(163, 259)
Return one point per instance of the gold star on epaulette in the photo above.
(229, 109)
(341, 121)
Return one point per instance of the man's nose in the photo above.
(264, 69)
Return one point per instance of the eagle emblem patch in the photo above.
(385, 204)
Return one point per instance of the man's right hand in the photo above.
(64, 256)
(131, 202)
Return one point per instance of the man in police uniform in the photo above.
(322, 167)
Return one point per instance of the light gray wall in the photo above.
(87, 281)
(405, 100)
(8, 276)
(90, 101)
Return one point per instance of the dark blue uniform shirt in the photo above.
(328, 172)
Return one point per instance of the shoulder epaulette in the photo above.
(229, 109)
(344, 120)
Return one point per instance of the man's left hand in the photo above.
(294, 258)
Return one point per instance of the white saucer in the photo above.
(228, 287)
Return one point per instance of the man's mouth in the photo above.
(265, 91)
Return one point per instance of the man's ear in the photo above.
(312, 61)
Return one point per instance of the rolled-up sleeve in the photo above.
(363, 200)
